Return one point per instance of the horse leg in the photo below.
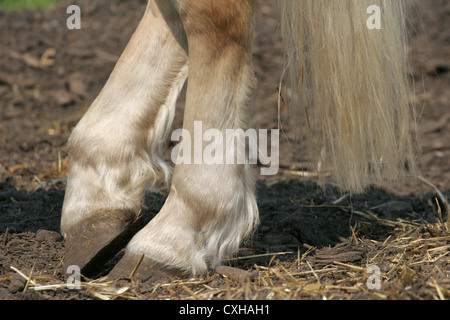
(211, 207)
(113, 149)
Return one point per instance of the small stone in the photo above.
(17, 283)
(237, 274)
(47, 236)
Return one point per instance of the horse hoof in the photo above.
(143, 269)
(92, 243)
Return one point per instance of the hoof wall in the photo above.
(140, 268)
(92, 243)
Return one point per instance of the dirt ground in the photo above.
(311, 243)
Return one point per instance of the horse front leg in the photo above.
(113, 151)
(211, 207)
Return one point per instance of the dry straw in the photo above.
(414, 263)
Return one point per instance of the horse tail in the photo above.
(348, 74)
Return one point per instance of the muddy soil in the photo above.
(49, 75)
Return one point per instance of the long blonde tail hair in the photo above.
(350, 87)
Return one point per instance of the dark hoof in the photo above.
(92, 243)
(140, 268)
